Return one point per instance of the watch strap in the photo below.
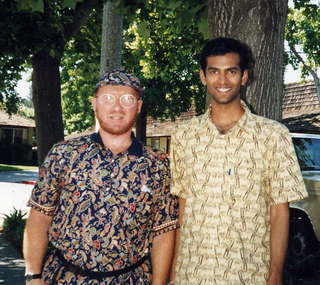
(30, 277)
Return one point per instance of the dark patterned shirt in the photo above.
(106, 208)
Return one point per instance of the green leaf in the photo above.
(31, 5)
(70, 3)
(143, 29)
(203, 28)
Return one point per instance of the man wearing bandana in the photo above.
(103, 201)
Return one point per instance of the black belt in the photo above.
(98, 274)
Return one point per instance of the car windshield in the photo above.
(308, 152)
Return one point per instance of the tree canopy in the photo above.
(157, 48)
(303, 37)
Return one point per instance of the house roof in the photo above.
(166, 127)
(301, 108)
(308, 123)
(300, 99)
(15, 120)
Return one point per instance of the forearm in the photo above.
(279, 220)
(161, 257)
(35, 240)
(182, 203)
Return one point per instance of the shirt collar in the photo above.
(242, 124)
(135, 148)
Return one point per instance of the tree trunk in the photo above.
(141, 124)
(46, 97)
(111, 38)
(260, 24)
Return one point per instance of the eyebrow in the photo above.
(227, 68)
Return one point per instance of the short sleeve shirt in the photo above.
(106, 208)
(229, 182)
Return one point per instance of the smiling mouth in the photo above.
(223, 89)
(114, 117)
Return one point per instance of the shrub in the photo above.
(13, 227)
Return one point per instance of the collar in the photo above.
(135, 148)
(242, 124)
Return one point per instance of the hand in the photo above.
(34, 282)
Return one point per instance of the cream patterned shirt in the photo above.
(229, 181)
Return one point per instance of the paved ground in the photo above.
(15, 189)
(11, 265)
(14, 194)
(19, 176)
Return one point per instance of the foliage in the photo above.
(158, 47)
(26, 29)
(26, 109)
(163, 52)
(303, 33)
(13, 227)
(7, 167)
(79, 73)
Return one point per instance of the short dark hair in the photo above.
(221, 46)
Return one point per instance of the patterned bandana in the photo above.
(120, 77)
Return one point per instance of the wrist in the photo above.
(29, 276)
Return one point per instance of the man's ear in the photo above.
(245, 77)
(94, 103)
(140, 102)
(203, 77)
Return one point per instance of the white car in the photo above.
(304, 233)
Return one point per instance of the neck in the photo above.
(225, 116)
(116, 143)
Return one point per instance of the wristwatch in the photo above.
(30, 276)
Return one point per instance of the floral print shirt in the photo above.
(106, 208)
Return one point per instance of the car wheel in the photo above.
(302, 239)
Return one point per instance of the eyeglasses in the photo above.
(125, 100)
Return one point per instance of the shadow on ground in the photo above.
(11, 265)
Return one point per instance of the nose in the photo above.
(222, 78)
(117, 105)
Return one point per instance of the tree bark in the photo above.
(111, 38)
(260, 24)
(46, 97)
(141, 124)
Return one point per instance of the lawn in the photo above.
(8, 167)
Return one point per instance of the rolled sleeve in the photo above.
(45, 194)
(285, 178)
(166, 204)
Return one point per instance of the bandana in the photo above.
(120, 77)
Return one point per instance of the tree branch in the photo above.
(81, 15)
(309, 68)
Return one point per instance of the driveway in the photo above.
(19, 176)
(15, 190)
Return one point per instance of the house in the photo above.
(17, 135)
(300, 111)
(301, 108)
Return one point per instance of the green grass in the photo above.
(7, 167)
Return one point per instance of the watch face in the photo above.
(29, 277)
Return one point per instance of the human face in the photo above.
(116, 118)
(223, 78)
